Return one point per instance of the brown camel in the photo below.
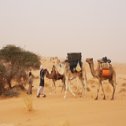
(55, 75)
(64, 69)
(99, 75)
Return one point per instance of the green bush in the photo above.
(18, 63)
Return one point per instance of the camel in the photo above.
(55, 75)
(98, 74)
(64, 69)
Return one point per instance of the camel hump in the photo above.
(105, 65)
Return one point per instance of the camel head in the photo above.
(91, 65)
(63, 67)
(89, 60)
(60, 68)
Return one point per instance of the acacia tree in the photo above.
(2, 78)
(19, 62)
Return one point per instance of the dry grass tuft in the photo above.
(28, 102)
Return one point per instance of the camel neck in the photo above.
(91, 65)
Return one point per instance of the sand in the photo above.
(54, 110)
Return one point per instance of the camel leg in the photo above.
(114, 87)
(67, 82)
(71, 91)
(103, 91)
(54, 86)
(63, 86)
(84, 85)
(113, 83)
(98, 90)
(85, 79)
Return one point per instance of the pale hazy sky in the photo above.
(54, 27)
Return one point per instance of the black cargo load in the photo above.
(73, 59)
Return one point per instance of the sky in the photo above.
(96, 28)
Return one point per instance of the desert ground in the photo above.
(54, 110)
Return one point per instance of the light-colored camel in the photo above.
(64, 69)
(98, 74)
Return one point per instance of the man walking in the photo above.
(40, 90)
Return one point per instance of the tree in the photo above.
(19, 62)
(2, 78)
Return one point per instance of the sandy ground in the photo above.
(54, 110)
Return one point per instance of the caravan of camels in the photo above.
(73, 68)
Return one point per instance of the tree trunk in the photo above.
(9, 83)
(1, 88)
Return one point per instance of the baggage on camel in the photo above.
(74, 59)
